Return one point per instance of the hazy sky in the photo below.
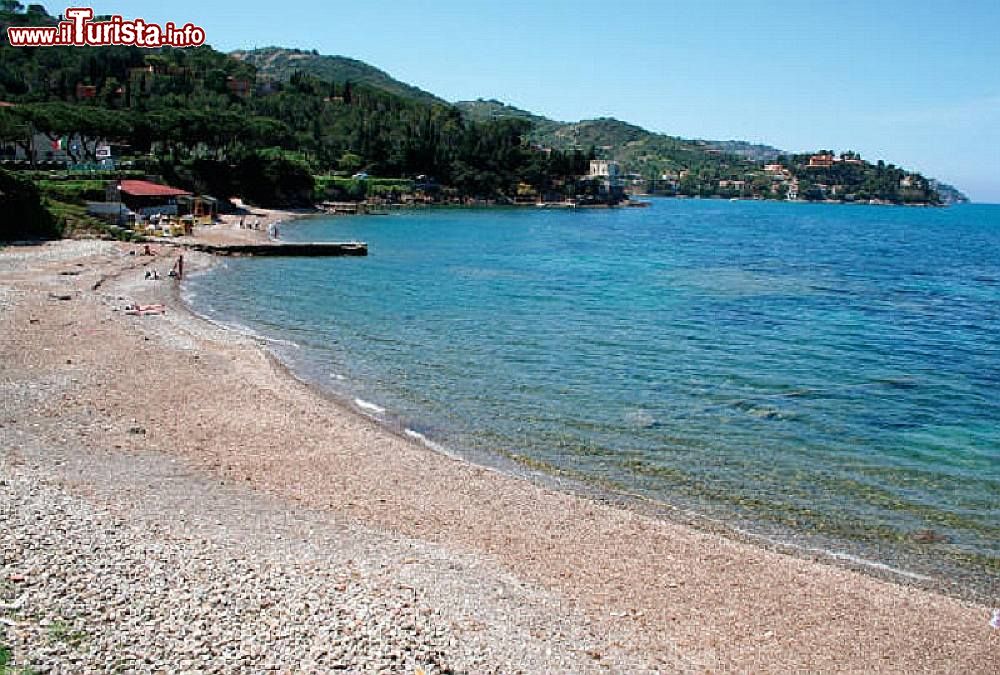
(915, 82)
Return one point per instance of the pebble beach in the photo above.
(172, 500)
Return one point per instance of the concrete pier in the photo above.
(302, 249)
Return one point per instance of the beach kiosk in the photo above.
(147, 198)
(202, 209)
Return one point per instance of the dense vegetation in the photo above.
(24, 215)
(281, 64)
(550, 132)
(697, 168)
(859, 181)
(279, 126)
(198, 117)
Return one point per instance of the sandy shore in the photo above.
(257, 224)
(185, 433)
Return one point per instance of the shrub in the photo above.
(22, 214)
(274, 182)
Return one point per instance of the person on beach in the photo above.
(241, 222)
(177, 271)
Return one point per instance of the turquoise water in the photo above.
(829, 373)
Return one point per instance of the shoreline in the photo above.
(662, 592)
(897, 566)
(596, 490)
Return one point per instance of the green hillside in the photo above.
(672, 165)
(265, 124)
(211, 123)
(641, 151)
(692, 167)
(280, 64)
(482, 110)
(611, 134)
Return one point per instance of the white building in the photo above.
(604, 168)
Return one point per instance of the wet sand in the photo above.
(630, 593)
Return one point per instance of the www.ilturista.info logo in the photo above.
(77, 29)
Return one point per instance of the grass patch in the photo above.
(7, 669)
(73, 191)
(340, 187)
(60, 631)
(76, 222)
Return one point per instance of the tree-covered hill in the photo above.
(229, 124)
(611, 134)
(482, 110)
(720, 168)
(208, 121)
(640, 151)
(281, 64)
(643, 152)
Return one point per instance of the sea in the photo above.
(815, 376)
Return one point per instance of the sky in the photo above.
(914, 82)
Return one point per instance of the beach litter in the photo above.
(995, 621)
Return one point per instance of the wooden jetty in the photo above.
(297, 249)
(344, 208)
(356, 208)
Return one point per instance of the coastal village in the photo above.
(145, 205)
(93, 136)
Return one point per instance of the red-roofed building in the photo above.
(238, 87)
(143, 196)
(145, 188)
(85, 91)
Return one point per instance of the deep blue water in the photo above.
(830, 371)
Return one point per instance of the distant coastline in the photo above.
(283, 128)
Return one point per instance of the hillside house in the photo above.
(238, 87)
(85, 91)
(821, 161)
(604, 168)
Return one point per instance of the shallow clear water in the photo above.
(830, 371)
